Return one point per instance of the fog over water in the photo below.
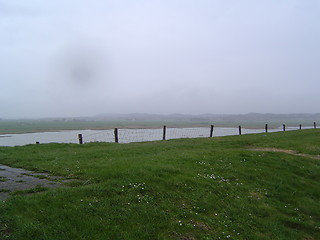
(81, 58)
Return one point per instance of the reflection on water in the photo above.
(124, 135)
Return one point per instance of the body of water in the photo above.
(124, 135)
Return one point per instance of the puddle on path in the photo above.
(14, 179)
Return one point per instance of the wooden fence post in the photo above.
(266, 128)
(284, 127)
(300, 127)
(116, 139)
(80, 138)
(314, 125)
(211, 131)
(164, 132)
(239, 130)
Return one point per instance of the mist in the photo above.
(83, 58)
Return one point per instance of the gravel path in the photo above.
(292, 152)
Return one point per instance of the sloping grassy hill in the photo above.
(218, 188)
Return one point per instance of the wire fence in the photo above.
(128, 135)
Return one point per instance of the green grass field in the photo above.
(214, 188)
(31, 126)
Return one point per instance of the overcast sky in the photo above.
(81, 58)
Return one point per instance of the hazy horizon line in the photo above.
(101, 115)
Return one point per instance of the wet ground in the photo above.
(15, 179)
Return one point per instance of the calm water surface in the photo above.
(125, 135)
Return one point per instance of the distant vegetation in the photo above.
(252, 120)
(209, 188)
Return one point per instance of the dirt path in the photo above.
(14, 179)
(292, 152)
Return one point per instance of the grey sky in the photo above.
(80, 58)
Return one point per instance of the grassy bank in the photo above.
(214, 188)
(32, 126)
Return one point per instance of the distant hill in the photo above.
(250, 119)
(143, 120)
(295, 118)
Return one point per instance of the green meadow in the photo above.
(231, 187)
(40, 125)
(31, 126)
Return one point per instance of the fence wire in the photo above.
(127, 135)
(176, 133)
(139, 135)
(102, 136)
